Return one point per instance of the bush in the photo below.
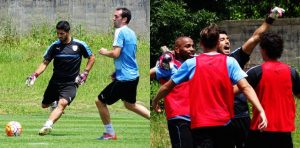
(170, 20)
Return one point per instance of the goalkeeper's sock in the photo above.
(109, 129)
(48, 123)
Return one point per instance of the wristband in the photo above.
(270, 20)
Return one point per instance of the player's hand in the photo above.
(155, 106)
(81, 78)
(102, 51)
(166, 61)
(263, 121)
(276, 12)
(31, 79)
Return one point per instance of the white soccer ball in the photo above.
(13, 128)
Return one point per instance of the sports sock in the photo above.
(109, 129)
(48, 123)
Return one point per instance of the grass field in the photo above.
(80, 130)
(80, 125)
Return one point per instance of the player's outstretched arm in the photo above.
(162, 92)
(250, 44)
(250, 94)
(42, 67)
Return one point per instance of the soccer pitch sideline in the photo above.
(77, 130)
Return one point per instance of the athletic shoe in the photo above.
(107, 136)
(53, 106)
(45, 130)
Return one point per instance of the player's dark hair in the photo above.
(272, 44)
(125, 13)
(222, 31)
(209, 36)
(63, 25)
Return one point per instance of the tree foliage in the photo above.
(245, 9)
(173, 18)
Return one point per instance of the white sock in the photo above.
(109, 129)
(48, 123)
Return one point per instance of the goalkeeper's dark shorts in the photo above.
(56, 91)
(258, 139)
(125, 90)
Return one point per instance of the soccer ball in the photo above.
(13, 128)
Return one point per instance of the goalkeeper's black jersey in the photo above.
(66, 59)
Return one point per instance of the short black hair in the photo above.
(273, 45)
(209, 36)
(125, 13)
(222, 31)
(63, 25)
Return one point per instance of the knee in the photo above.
(99, 103)
(129, 106)
(63, 102)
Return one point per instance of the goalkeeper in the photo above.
(176, 102)
(241, 122)
(67, 54)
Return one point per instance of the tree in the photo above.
(171, 19)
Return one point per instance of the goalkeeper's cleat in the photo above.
(107, 136)
(45, 130)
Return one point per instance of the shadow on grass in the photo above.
(61, 135)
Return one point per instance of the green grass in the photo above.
(20, 55)
(159, 135)
(77, 130)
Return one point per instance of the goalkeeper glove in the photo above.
(274, 14)
(81, 78)
(31, 79)
(166, 61)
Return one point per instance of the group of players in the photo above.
(205, 96)
(67, 53)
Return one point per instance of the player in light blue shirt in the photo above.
(125, 64)
(125, 77)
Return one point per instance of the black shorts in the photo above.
(240, 129)
(257, 139)
(125, 90)
(212, 137)
(180, 133)
(56, 91)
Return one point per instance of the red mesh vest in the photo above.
(274, 91)
(211, 92)
(177, 101)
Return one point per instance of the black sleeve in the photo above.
(85, 50)
(295, 81)
(49, 54)
(241, 57)
(254, 75)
